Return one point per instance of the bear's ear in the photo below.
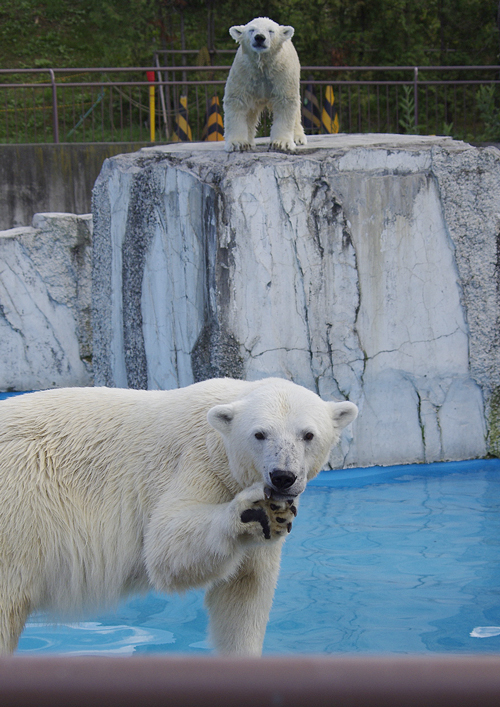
(287, 32)
(237, 32)
(220, 417)
(343, 413)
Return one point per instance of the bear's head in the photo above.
(280, 433)
(261, 35)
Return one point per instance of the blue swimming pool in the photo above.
(395, 560)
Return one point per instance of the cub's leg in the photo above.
(239, 606)
(238, 133)
(298, 132)
(283, 128)
(253, 117)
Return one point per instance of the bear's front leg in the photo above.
(191, 543)
(239, 126)
(283, 128)
(239, 606)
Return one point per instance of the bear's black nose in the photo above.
(282, 479)
(259, 39)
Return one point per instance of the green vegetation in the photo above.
(62, 33)
(407, 108)
(490, 115)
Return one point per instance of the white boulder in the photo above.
(45, 300)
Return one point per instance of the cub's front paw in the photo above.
(269, 518)
(282, 145)
(238, 146)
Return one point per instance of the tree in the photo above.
(328, 32)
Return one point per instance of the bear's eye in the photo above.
(260, 435)
(308, 436)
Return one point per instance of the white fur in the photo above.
(106, 492)
(265, 74)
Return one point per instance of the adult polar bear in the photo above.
(265, 74)
(106, 492)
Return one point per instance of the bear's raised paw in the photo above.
(271, 518)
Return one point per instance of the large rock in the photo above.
(363, 267)
(45, 302)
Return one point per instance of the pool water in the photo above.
(396, 560)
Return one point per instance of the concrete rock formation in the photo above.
(45, 303)
(363, 267)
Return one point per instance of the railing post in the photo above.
(152, 109)
(55, 117)
(415, 94)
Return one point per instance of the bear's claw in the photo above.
(286, 146)
(237, 146)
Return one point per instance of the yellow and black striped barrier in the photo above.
(329, 116)
(214, 127)
(182, 131)
(311, 114)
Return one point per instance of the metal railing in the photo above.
(113, 104)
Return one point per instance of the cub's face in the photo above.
(261, 35)
(281, 434)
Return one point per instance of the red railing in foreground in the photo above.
(292, 681)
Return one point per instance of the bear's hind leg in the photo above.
(253, 117)
(13, 618)
(298, 133)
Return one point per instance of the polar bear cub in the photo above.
(265, 74)
(106, 492)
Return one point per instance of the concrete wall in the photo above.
(50, 178)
